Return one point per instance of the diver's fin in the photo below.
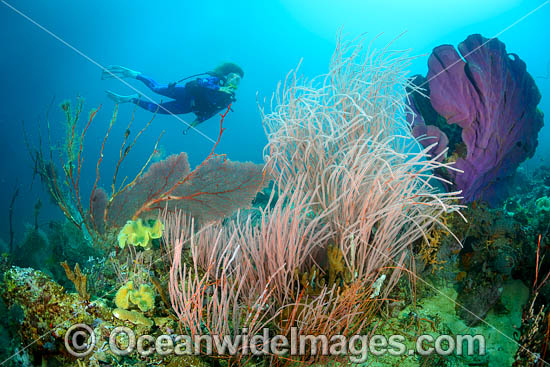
(117, 98)
(117, 71)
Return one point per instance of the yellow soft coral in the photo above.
(139, 234)
(122, 295)
(143, 298)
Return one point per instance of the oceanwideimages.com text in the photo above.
(80, 341)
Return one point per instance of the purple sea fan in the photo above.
(492, 97)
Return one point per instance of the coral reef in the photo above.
(322, 258)
(44, 248)
(356, 237)
(48, 311)
(44, 312)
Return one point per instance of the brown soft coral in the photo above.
(79, 280)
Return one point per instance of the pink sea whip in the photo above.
(345, 136)
(347, 175)
(207, 294)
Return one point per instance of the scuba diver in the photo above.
(204, 96)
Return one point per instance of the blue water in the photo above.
(169, 40)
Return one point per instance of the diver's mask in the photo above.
(232, 81)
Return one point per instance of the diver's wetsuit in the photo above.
(201, 96)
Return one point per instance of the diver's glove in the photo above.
(117, 71)
(117, 98)
(229, 90)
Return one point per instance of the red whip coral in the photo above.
(214, 189)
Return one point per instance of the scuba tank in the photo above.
(211, 73)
